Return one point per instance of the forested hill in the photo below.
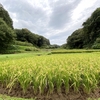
(5, 16)
(8, 34)
(89, 35)
(25, 35)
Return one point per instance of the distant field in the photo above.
(4, 57)
(63, 51)
(31, 73)
(7, 57)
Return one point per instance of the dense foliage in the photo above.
(6, 30)
(8, 33)
(89, 35)
(76, 39)
(25, 35)
(6, 36)
(5, 16)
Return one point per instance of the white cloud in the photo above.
(82, 8)
(54, 19)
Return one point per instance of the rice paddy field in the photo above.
(71, 76)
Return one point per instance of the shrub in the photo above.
(96, 46)
(28, 49)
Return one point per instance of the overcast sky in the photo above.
(53, 19)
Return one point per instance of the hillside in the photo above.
(26, 35)
(89, 35)
(5, 16)
(9, 35)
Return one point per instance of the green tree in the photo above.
(36, 40)
(6, 36)
(42, 41)
(87, 36)
(96, 44)
(5, 16)
(76, 39)
(92, 28)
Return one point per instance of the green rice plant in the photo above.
(47, 74)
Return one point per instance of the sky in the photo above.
(53, 19)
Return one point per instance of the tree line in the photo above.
(8, 34)
(86, 37)
(25, 35)
(89, 35)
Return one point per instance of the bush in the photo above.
(28, 49)
(31, 49)
(12, 47)
(23, 43)
(96, 46)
